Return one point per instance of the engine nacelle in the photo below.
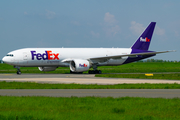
(79, 65)
(47, 68)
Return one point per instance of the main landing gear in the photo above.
(95, 71)
(18, 70)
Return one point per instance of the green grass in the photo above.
(142, 68)
(127, 68)
(88, 108)
(172, 76)
(5, 68)
(50, 108)
(28, 85)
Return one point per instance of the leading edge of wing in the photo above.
(103, 59)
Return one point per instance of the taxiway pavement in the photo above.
(76, 78)
(147, 93)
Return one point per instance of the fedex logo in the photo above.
(144, 40)
(82, 65)
(48, 55)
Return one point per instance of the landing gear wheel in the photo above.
(98, 71)
(89, 72)
(94, 71)
(19, 72)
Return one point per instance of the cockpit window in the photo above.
(11, 55)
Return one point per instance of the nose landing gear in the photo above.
(18, 70)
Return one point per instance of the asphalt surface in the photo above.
(76, 78)
(147, 93)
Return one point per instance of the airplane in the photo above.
(82, 59)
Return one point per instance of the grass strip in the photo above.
(172, 76)
(31, 85)
(94, 108)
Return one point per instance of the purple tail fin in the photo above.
(144, 40)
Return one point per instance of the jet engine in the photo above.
(47, 68)
(79, 65)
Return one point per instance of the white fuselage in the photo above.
(37, 57)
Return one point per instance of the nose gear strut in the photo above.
(18, 70)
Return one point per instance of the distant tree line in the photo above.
(156, 60)
(1, 61)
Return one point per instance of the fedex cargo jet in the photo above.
(82, 59)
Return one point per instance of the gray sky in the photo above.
(89, 23)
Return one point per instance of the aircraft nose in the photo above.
(5, 60)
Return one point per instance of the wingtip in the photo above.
(172, 51)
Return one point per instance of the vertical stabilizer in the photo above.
(144, 40)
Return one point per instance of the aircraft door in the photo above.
(25, 56)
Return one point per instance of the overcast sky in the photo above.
(89, 23)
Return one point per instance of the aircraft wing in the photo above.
(106, 58)
(67, 60)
